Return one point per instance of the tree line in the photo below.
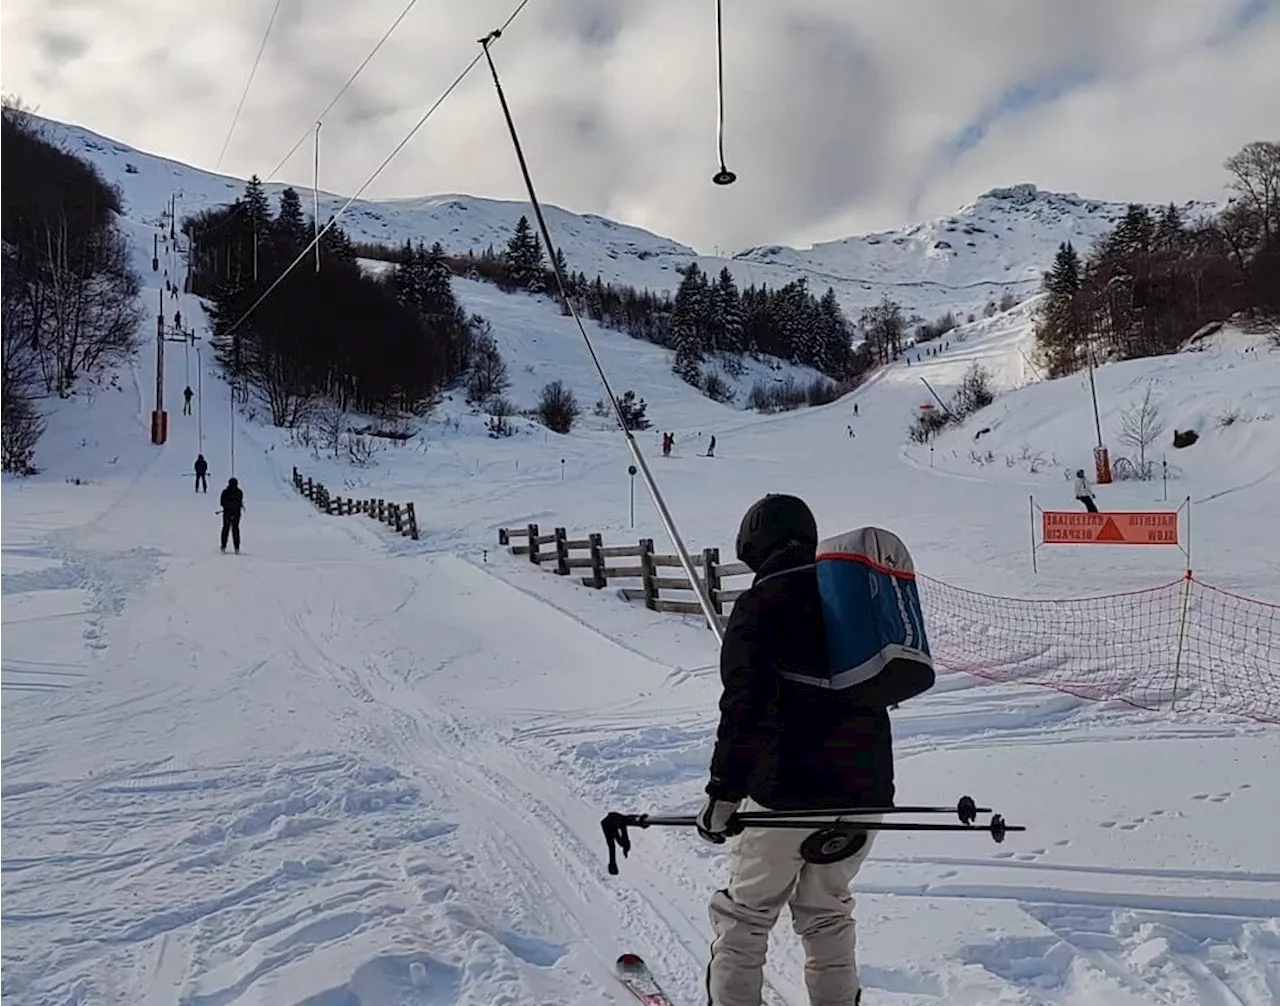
(69, 308)
(1157, 277)
(327, 330)
(708, 324)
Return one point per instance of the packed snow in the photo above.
(345, 768)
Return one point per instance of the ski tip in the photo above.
(629, 960)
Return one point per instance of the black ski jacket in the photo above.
(788, 745)
(202, 466)
(232, 501)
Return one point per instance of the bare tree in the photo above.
(21, 424)
(1255, 178)
(1250, 225)
(1140, 427)
(92, 316)
(488, 374)
(884, 327)
(331, 424)
(278, 376)
(974, 392)
(557, 407)
(499, 409)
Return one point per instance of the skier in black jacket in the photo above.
(785, 745)
(232, 500)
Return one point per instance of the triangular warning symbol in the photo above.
(1109, 532)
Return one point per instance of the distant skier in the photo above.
(187, 395)
(784, 742)
(711, 447)
(668, 440)
(232, 500)
(1082, 491)
(855, 408)
(202, 474)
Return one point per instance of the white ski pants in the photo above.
(766, 873)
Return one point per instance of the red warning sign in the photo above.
(1140, 527)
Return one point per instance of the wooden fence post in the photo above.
(597, 560)
(562, 551)
(648, 572)
(413, 521)
(710, 568)
(397, 518)
(382, 511)
(533, 543)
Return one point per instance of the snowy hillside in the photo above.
(1000, 243)
(345, 768)
(1225, 388)
(542, 346)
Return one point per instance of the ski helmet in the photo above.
(771, 524)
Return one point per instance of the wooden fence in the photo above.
(401, 517)
(640, 562)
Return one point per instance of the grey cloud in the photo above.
(841, 114)
(61, 47)
(361, 112)
(588, 21)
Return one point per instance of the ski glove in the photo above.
(716, 822)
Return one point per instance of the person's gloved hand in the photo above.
(716, 823)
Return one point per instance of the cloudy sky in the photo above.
(841, 115)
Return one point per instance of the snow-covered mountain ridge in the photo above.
(1000, 243)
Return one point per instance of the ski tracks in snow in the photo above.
(401, 809)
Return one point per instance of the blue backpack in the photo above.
(879, 652)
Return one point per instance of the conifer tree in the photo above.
(290, 229)
(1063, 279)
(526, 265)
(1168, 231)
(257, 205)
(1056, 328)
(726, 313)
(688, 324)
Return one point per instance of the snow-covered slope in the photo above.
(1000, 243)
(1002, 240)
(541, 346)
(348, 769)
(1226, 389)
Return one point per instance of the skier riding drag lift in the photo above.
(829, 636)
(836, 631)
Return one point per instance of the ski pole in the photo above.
(965, 809)
(996, 826)
(826, 829)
